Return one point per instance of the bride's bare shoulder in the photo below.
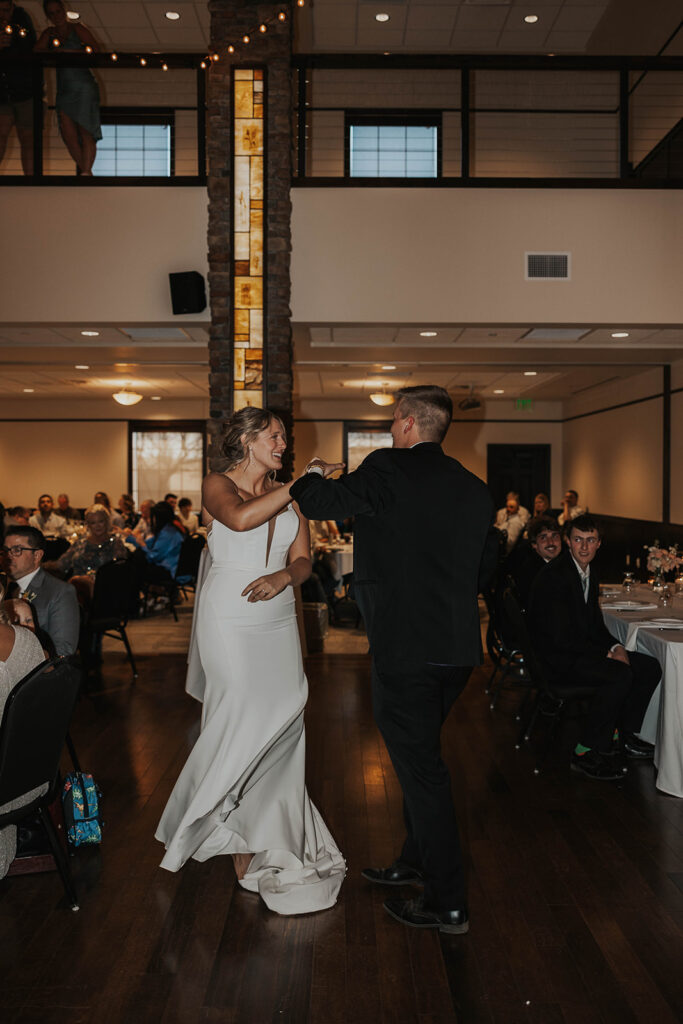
(216, 482)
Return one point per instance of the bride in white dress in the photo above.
(242, 790)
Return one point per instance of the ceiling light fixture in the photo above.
(29, 391)
(81, 366)
(530, 373)
(498, 391)
(381, 17)
(428, 334)
(90, 334)
(172, 15)
(388, 367)
(620, 334)
(531, 19)
(382, 398)
(125, 397)
(156, 398)
(73, 15)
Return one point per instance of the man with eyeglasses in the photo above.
(576, 649)
(54, 602)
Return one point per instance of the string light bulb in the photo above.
(300, 3)
(164, 67)
(246, 39)
(22, 32)
(282, 16)
(231, 49)
(203, 64)
(143, 62)
(56, 42)
(114, 56)
(8, 30)
(263, 27)
(215, 56)
(88, 49)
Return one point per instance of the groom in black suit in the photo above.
(421, 529)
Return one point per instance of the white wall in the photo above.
(51, 457)
(445, 255)
(98, 255)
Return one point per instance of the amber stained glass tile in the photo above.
(248, 292)
(244, 99)
(244, 74)
(258, 74)
(248, 137)
(256, 328)
(245, 398)
(241, 322)
(242, 267)
(256, 177)
(239, 364)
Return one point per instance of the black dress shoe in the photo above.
(397, 873)
(416, 915)
(635, 747)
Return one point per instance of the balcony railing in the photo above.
(153, 121)
(501, 121)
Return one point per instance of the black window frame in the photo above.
(144, 116)
(383, 118)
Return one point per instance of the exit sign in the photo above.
(524, 403)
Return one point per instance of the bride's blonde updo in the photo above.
(240, 430)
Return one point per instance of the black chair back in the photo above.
(34, 725)
(517, 623)
(188, 559)
(115, 596)
(54, 547)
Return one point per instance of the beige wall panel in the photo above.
(323, 439)
(112, 265)
(466, 251)
(50, 457)
(613, 459)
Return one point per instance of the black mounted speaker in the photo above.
(188, 294)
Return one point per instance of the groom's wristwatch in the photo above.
(315, 469)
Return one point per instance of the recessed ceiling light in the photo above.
(428, 334)
(81, 366)
(530, 373)
(381, 17)
(620, 334)
(29, 391)
(498, 391)
(90, 334)
(531, 19)
(73, 15)
(172, 15)
(156, 398)
(388, 367)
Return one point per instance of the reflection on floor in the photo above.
(576, 887)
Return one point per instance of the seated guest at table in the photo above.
(64, 509)
(143, 529)
(570, 508)
(527, 560)
(162, 549)
(513, 518)
(171, 499)
(102, 498)
(541, 505)
(46, 519)
(186, 517)
(17, 516)
(98, 546)
(323, 531)
(54, 602)
(130, 517)
(575, 648)
(20, 613)
(20, 652)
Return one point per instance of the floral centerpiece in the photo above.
(662, 560)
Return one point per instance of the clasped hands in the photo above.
(619, 654)
(328, 468)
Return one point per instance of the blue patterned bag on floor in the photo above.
(81, 803)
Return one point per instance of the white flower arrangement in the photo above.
(663, 559)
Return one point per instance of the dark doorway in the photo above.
(518, 467)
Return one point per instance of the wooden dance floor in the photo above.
(576, 887)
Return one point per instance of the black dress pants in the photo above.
(621, 697)
(410, 708)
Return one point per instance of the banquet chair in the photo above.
(32, 734)
(185, 576)
(54, 547)
(550, 701)
(115, 601)
(503, 650)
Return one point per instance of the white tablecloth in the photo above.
(663, 722)
(343, 555)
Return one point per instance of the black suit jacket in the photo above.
(563, 626)
(420, 531)
(524, 565)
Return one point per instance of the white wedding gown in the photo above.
(242, 789)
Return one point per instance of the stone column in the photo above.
(230, 21)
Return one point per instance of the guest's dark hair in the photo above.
(170, 495)
(161, 515)
(127, 503)
(584, 523)
(45, 496)
(241, 429)
(430, 406)
(539, 525)
(102, 498)
(570, 490)
(28, 533)
(46, 4)
(184, 503)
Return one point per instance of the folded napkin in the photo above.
(633, 627)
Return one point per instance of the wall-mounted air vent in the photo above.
(547, 266)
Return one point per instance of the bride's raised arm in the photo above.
(223, 502)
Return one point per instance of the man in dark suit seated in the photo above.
(54, 602)
(576, 648)
(527, 560)
(421, 530)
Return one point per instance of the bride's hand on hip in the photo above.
(266, 587)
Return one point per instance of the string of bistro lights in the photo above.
(259, 29)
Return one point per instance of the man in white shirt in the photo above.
(513, 518)
(575, 648)
(186, 517)
(570, 508)
(54, 602)
(143, 528)
(46, 519)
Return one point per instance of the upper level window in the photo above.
(393, 147)
(135, 144)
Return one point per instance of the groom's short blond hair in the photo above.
(430, 406)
